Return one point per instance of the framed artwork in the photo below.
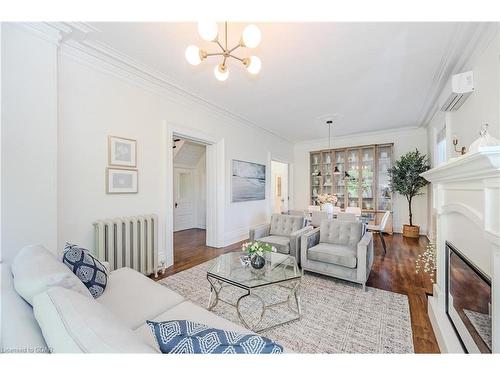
(278, 186)
(248, 181)
(122, 152)
(121, 181)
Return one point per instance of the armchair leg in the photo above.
(383, 242)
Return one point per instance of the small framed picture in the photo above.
(121, 181)
(122, 152)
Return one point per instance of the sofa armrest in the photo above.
(259, 232)
(295, 241)
(365, 257)
(308, 240)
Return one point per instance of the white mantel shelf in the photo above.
(466, 206)
(478, 165)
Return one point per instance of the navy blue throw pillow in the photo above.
(187, 337)
(89, 270)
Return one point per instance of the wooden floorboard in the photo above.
(394, 272)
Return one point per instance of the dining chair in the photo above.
(346, 216)
(317, 217)
(353, 210)
(336, 210)
(380, 228)
(297, 213)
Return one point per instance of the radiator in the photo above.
(129, 242)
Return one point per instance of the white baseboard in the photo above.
(236, 235)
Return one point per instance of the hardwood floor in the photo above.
(394, 272)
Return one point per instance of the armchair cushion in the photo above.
(342, 255)
(285, 225)
(340, 232)
(282, 244)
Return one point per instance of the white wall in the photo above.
(29, 161)
(94, 104)
(404, 140)
(200, 191)
(482, 106)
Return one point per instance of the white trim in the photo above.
(349, 136)
(215, 185)
(101, 56)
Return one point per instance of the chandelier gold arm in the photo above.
(225, 51)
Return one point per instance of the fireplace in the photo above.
(468, 302)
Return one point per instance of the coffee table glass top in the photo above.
(278, 268)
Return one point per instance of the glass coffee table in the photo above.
(280, 271)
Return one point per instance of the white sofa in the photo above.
(71, 320)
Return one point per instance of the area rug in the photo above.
(337, 316)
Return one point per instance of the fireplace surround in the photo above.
(466, 208)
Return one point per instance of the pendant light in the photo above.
(336, 171)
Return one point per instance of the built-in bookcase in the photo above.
(366, 184)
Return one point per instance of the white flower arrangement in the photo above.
(427, 261)
(257, 248)
(327, 198)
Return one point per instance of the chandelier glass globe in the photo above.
(251, 36)
(255, 65)
(208, 30)
(221, 72)
(193, 55)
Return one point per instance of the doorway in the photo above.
(189, 185)
(279, 186)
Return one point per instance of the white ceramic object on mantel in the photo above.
(484, 140)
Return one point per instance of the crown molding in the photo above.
(315, 142)
(99, 55)
(42, 30)
(465, 52)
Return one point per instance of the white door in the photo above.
(184, 205)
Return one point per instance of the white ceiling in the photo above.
(374, 75)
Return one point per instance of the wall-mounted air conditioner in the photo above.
(462, 85)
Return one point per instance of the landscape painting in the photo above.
(248, 181)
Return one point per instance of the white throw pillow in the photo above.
(72, 323)
(35, 269)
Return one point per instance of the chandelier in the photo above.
(209, 31)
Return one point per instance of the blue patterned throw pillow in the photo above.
(89, 270)
(187, 337)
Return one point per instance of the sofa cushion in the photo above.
(282, 244)
(135, 298)
(341, 232)
(72, 323)
(189, 337)
(284, 225)
(35, 269)
(342, 255)
(87, 268)
(190, 311)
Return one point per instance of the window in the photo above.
(441, 146)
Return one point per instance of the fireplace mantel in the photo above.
(466, 206)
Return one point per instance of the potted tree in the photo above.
(406, 180)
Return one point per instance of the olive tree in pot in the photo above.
(406, 180)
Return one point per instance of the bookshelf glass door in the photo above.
(384, 195)
(339, 181)
(367, 170)
(353, 180)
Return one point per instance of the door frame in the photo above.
(270, 158)
(215, 154)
